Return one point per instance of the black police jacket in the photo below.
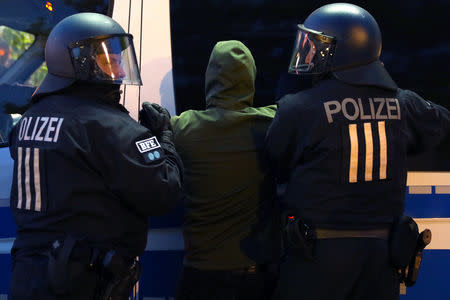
(341, 151)
(84, 167)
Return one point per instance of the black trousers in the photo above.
(29, 280)
(343, 269)
(198, 284)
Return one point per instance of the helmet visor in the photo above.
(110, 59)
(312, 53)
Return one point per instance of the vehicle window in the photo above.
(37, 76)
(13, 44)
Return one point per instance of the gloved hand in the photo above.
(155, 118)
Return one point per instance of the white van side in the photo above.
(149, 23)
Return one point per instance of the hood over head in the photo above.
(230, 76)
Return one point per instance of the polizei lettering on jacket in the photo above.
(40, 129)
(372, 109)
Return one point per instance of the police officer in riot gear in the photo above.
(86, 175)
(340, 148)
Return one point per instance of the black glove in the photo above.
(155, 118)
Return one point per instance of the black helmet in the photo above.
(344, 39)
(90, 47)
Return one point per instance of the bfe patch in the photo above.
(150, 148)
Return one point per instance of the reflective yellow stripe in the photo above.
(369, 151)
(37, 180)
(383, 149)
(27, 179)
(19, 177)
(353, 174)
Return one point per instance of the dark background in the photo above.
(32, 16)
(416, 48)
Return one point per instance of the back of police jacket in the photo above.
(342, 151)
(81, 169)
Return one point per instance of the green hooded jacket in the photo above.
(230, 220)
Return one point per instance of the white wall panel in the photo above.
(428, 178)
(155, 58)
(440, 232)
(157, 55)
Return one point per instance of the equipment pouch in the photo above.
(119, 276)
(416, 259)
(300, 236)
(403, 239)
(69, 268)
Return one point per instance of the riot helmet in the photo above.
(89, 47)
(342, 39)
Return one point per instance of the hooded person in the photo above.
(230, 220)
